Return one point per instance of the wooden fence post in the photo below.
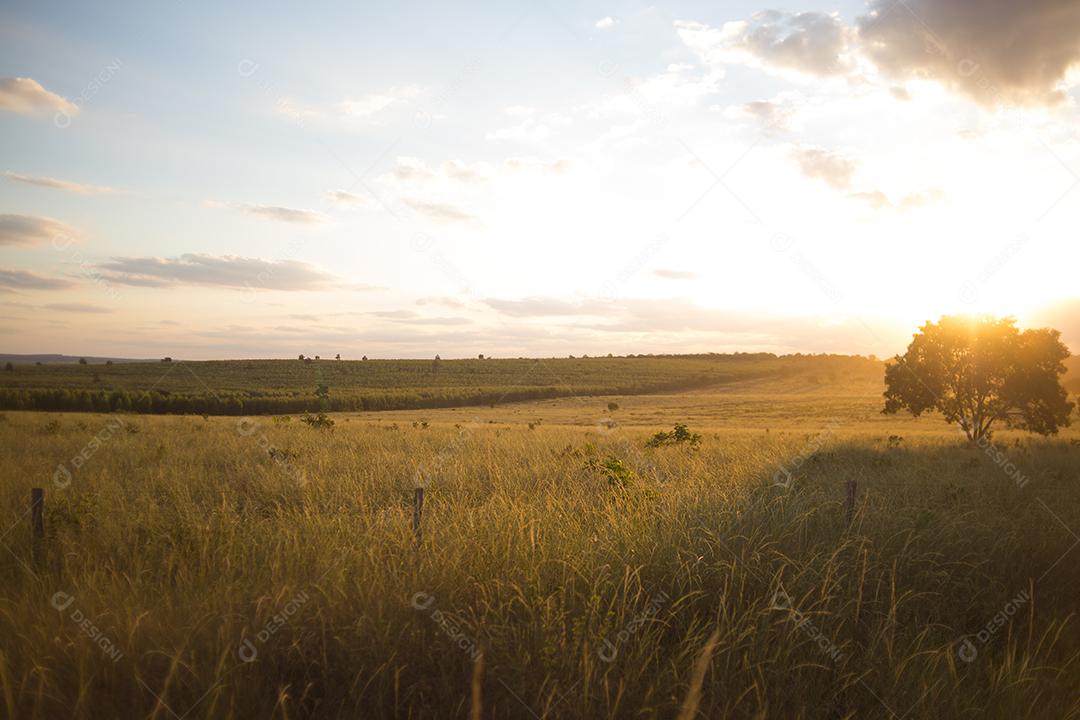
(37, 524)
(418, 510)
(850, 504)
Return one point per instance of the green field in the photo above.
(252, 387)
(230, 568)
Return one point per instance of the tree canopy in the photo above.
(981, 372)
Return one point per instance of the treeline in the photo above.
(243, 403)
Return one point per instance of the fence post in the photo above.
(37, 524)
(418, 510)
(850, 504)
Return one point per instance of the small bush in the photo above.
(618, 476)
(319, 422)
(678, 436)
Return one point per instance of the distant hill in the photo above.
(65, 359)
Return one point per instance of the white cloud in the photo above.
(439, 212)
(834, 169)
(225, 271)
(33, 230)
(48, 182)
(605, 23)
(27, 96)
(368, 106)
(675, 274)
(273, 212)
(531, 129)
(345, 198)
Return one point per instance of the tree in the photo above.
(338, 356)
(982, 371)
(300, 356)
(9, 367)
(82, 361)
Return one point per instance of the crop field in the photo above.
(250, 387)
(567, 564)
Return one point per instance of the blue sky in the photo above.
(534, 178)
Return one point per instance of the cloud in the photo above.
(874, 198)
(548, 307)
(878, 200)
(834, 169)
(23, 280)
(675, 274)
(529, 130)
(212, 270)
(78, 308)
(342, 197)
(367, 106)
(408, 169)
(523, 164)
(809, 43)
(32, 230)
(26, 96)
(605, 23)
(900, 93)
(445, 301)
(274, 212)
(457, 170)
(55, 184)
(439, 212)
(995, 51)
(408, 317)
(772, 115)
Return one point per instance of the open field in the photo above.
(250, 387)
(221, 567)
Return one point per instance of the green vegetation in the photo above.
(979, 372)
(254, 387)
(679, 435)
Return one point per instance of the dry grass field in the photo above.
(227, 567)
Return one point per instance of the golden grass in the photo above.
(182, 538)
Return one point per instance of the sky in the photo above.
(533, 178)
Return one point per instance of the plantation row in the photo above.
(243, 403)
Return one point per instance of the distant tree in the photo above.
(166, 359)
(982, 371)
(338, 356)
(38, 363)
(364, 358)
(480, 356)
(82, 361)
(317, 357)
(438, 358)
(108, 362)
(9, 367)
(300, 356)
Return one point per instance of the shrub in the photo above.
(679, 435)
(319, 422)
(618, 476)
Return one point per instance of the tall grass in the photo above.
(700, 584)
